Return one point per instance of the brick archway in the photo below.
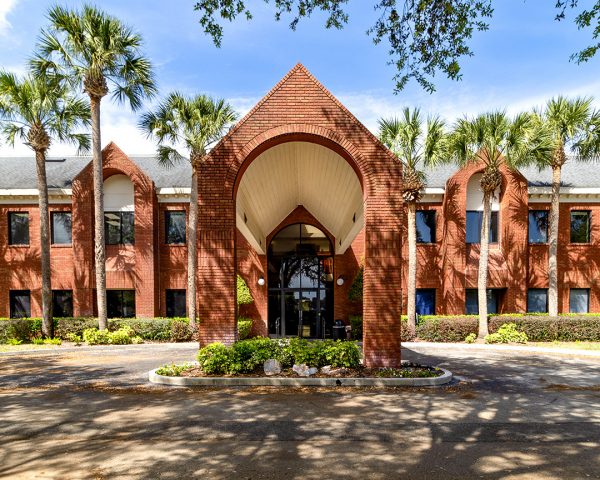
(282, 117)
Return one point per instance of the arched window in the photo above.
(475, 211)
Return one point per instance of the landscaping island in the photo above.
(292, 362)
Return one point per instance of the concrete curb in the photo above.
(500, 348)
(446, 377)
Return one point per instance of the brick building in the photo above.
(296, 197)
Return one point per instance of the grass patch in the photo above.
(569, 345)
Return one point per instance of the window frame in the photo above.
(54, 294)
(433, 229)
(547, 213)
(167, 216)
(428, 291)
(589, 226)
(493, 214)
(171, 307)
(121, 292)
(11, 296)
(530, 290)
(52, 215)
(120, 242)
(588, 291)
(497, 292)
(10, 230)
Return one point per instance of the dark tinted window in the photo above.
(580, 226)
(118, 228)
(425, 226)
(61, 228)
(537, 300)
(538, 226)
(18, 224)
(62, 303)
(474, 220)
(120, 303)
(579, 300)
(175, 303)
(472, 305)
(426, 301)
(174, 227)
(20, 303)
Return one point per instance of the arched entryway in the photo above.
(300, 283)
(250, 188)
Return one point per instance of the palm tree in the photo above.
(38, 110)
(195, 124)
(575, 128)
(493, 140)
(98, 53)
(416, 149)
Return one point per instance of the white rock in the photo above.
(304, 370)
(326, 369)
(272, 367)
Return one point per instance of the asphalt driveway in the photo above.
(90, 413)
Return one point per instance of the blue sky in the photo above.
(522, 61)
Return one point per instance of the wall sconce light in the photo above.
(261, 281)
(340, 280)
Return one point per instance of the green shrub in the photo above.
(507, 333)
(355, 294)
(157, 329)
(541, 328)
(93, 336)
(19, 328)
(173, 370)
(470, 338)
(180, 330)
(446, 329)
(215, 359)
(14, 341)
(73, 325)
(123, 336)
(71, 337)
(247, 356)
(244, 297)
(244, 327)
(356, 322)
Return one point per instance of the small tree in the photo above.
(95, 52)
(415, 149)
(244, 296)
(194, 123)
(37, 110)
(493, 140)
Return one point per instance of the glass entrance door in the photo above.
(300, 283)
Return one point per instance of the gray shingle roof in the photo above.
(20, 172)
(574, 174)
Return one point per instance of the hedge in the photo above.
(539, 328)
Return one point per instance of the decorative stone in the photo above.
(338, 371)
(326, 369)
(272, 367)
(304, 370)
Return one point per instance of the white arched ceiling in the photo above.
(475, 195)
(299, 173)
(118, 194)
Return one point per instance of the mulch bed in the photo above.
(406, 371)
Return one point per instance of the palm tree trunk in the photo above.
(482, 275)
(412, 268)
(99, 248)
(192, 246)
(42, 184)
(553, 244)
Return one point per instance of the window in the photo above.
(18, 233)
(176, 303)
(20, 303)
(426, 301)
(61, 228)
(425, 226)
(120, 303)
(538, 226)
(62, 303)
(174, 227)
(474, 219)
(579, 300)
(580, 226)
(118, 228)
(537, 300)
(472, 305)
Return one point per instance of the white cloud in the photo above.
(5, 8)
